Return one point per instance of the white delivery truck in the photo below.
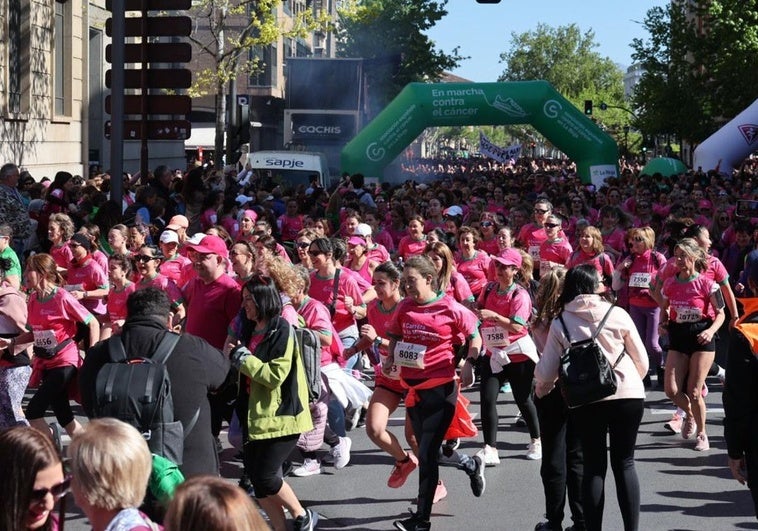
(291, 168)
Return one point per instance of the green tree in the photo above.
(701, 66)
(566, 58)
(389, 35)
(232, 28)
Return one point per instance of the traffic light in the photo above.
(603, 106)
(239, 133)
(588, 107)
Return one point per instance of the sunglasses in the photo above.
(315, 253)
(58, 491)
(144, 258)
(551, 225)
(303, 245)
(540, 211)
(486, 224)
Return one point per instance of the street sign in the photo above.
(180, 26)
(156, 104)
(157, 52)
(167, 78)
(152, 5)
(156, 129)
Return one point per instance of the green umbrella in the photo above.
(665, 166)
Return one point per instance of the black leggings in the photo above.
(263, 462)
(521, 376)
(53, 393)
(618, 420)
(430, 418)
(561, 468)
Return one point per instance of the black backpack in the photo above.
(137, 390)
(585, 375)
(309, 346)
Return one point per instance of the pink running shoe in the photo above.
(401, 471)
(701, 443)
(689, 428)
(440, 492)
(674, 425)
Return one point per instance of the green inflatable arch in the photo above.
(422, 105)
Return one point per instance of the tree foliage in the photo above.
(567, 59)
(232, 28)
(389, 35)
(701, 66)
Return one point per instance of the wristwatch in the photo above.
(378, 342)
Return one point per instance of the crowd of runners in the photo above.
(452, 279)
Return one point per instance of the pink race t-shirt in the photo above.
(601, 261)
(489, 246)
(174, 269)
(211, 307)
(380, 318)
(426, 335)
(474, 270)
(615, 240)
(641, 276)
(164, 284)
(410, 247)
(52, 321)
(88, 277)
(290, 226)
(513, 303)
(322, 289)
(317, 318)
(531, 237)
(557, 251)
(688, 299)
(458, 288)
(117, 301)
(62, 255)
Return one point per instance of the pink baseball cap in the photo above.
(509, 256)
(210, 244)
(356, 240)
(249, 213)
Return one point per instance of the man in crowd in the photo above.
(194, 367)
(12, 209)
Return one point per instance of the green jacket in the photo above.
(278, 392)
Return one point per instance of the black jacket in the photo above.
(195, 369)
(740, 395)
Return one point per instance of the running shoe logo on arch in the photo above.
(508, 106)
(552, 108)
(374, 152)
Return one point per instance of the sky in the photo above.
(483, 31)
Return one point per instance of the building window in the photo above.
(19, 46)
(62, 59)
(265, 75)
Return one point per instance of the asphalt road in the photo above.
(680, 489)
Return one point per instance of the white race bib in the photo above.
(73, 287)
(640, 280)
(494, 337)
(688, 315)
(534, 252)
(409, 355)
(45, 339)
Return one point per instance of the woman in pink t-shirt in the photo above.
(414, 242)
(449, 280)
(689, 298)
(489, 228)
(388, 390)
(510, 354)
(53, 317)
(59, 230)
(635, 276)
(555, 250)
(119, 270)
(591, 252)
(422, 342)
(472, 264)
(147, 261)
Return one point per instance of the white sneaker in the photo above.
(310, 467)
(489, 456)
(341, 452)
(535, 450)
